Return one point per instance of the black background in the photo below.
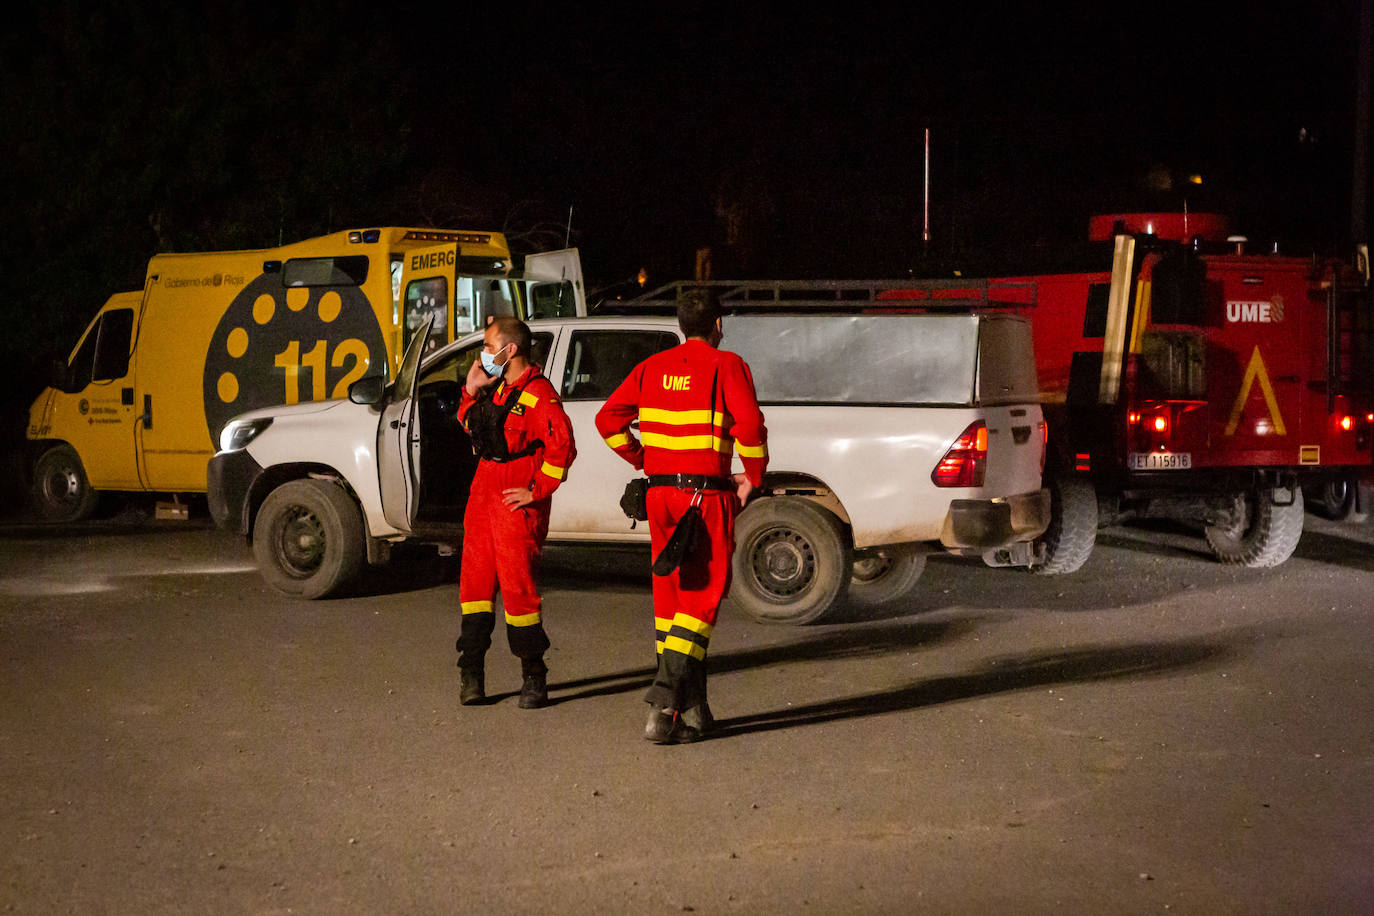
(633, 132)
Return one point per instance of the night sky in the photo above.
(141, 127)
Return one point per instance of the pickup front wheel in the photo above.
(308, 539)
(792, 561)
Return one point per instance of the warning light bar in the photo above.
(468, 238)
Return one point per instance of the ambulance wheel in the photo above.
(885, 575)
(1072, 532)
(308, 539)
(61, 491)
(1258, 534)
(792, 561)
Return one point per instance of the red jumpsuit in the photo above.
(501, 546)
(695, 405)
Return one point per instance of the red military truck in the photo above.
(1192, 379)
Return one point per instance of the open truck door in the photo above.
(553, 285)
(398, 437)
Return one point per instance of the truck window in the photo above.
(1095, 311)
(349, 270)
(426, 297)
(552, 300)
(113, 345)
(598, 361)
(480, 298)
(1171, 366)
(454, 367)
(1180, 290)
(104, 352)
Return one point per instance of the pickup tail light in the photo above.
(966, 462)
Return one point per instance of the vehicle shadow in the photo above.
(1336, 550)
(995, 676)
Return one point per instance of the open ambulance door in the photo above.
(398, 438)
(553, 285)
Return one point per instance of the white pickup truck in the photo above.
(889, 436)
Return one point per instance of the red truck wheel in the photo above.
(1260, 533)
(1072, 534)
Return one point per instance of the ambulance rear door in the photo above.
(553, 285)
(427, 292)
(398, 437)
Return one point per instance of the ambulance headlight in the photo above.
(238, 433)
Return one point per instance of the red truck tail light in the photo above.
(1347, 423)
(1160, 424)
(965, 464)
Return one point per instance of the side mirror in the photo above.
(59, 374)
(369, 390)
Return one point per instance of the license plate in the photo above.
(1160, 461)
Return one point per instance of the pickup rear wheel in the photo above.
(792, 561)
(61, 491)
(1259, 534)
(308, 539)
(885, 575)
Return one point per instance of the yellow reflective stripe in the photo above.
(682, 443)
(477, 607)
(553, 470)
(700, 627)
(618, 440)
(680, 417)
(684, 647)
(529, 400)
(662, 624)
(522, 620)
(751, 451)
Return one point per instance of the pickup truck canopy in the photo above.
(911, 360)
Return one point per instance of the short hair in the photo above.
(513, 331)
(697, 312)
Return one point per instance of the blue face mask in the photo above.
(490, 366)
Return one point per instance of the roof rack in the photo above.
(838, 294)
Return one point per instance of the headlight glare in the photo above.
(238, 433)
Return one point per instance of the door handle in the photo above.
(147, 416)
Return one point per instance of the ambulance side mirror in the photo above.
(59, 374)
(369, 390)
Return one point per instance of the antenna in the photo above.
(925, 203)
(567, 236)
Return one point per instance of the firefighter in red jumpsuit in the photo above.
(525, 445)
(695, 405)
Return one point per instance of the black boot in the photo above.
(534, 693)
(472, 688)
(692, 725)
(659, 726)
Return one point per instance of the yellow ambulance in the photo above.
(139, 403)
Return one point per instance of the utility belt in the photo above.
(525, 452)
(692, 482)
